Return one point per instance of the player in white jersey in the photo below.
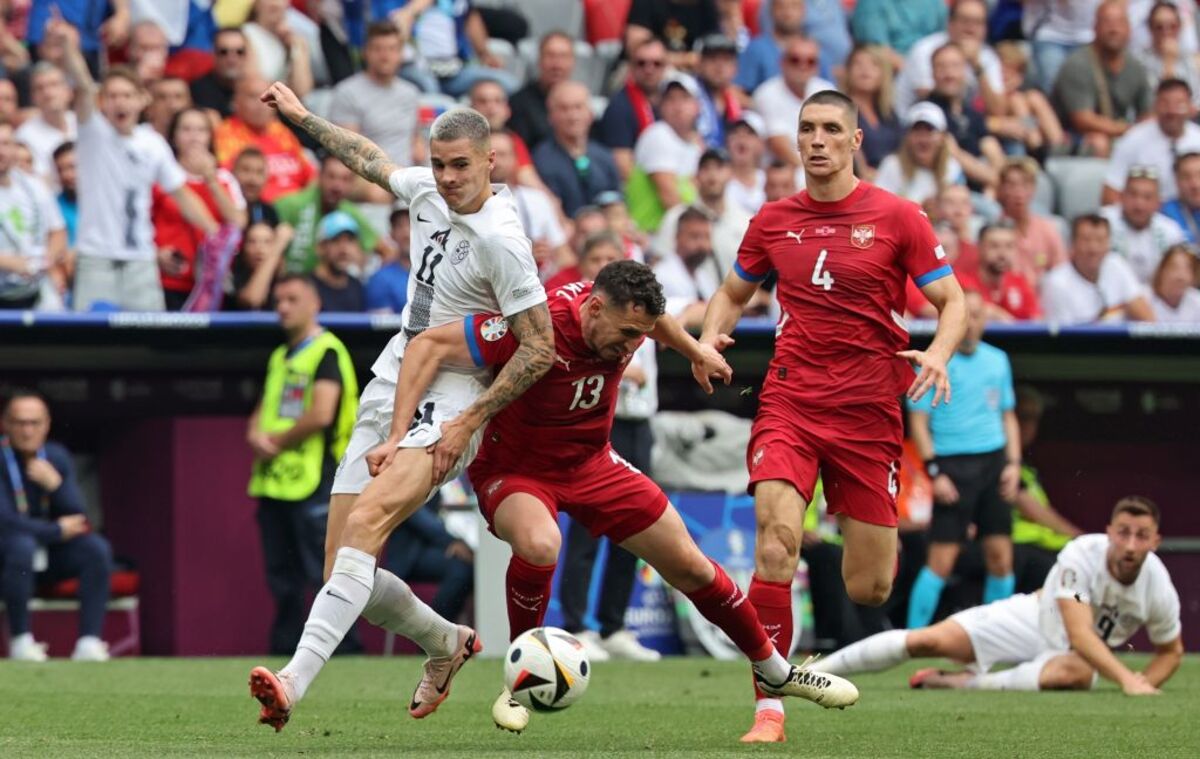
(470, 255)
(1102, 590)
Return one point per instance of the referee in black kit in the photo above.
(972, 454)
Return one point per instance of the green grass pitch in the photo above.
(677, 708)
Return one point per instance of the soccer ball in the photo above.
(546, 669)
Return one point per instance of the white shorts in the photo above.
(1006, 632)
(448, 395)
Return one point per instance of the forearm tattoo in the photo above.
(362, 156)
(532, 359)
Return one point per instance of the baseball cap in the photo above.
(714, 154)
(683, 82)
(608, 198)
(925, 112)
(337, 223)
(753, 121)
(711, 44)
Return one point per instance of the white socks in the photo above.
(1021, 677)
(774, 669)
(394, 607)
(334, 611)
(880, 651)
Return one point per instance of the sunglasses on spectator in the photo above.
(649, 63)
(799, 60)
(1142, 172)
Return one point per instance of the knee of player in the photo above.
(867, 590)
(1065, 674)
(778, 548)
(538, 547)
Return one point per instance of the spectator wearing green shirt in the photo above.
(305, 208)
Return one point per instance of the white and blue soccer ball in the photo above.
(546, 669)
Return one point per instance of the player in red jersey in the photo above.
(843, 250)
(549, 451)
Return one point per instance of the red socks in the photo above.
(527, 591)
(773, 601)
(723, 604)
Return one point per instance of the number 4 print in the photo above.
(822, 278)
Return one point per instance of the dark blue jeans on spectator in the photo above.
(87, 557)
(293, 542)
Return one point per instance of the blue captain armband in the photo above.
(755, 278)
(933, 276)
(472, 340)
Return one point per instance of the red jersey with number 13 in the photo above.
(566, 417)
(842, 268)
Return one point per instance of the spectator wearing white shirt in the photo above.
(1094, 285)
(1140, 234)
(53, 123)
(690, 274)
(967, 28)
(380, 105)
(1161, 43)
(536, 210)
(923, 165)
(281, 43)
(780, 98)
(1175, 299)
(668, 152)
(729, 222)
(119, 162)
(1156, 142)
(747, 185)
(33, 236)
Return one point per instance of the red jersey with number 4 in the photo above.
(842, 268)
(566, 417)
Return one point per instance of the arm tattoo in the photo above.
(362, 156)
(532, 359)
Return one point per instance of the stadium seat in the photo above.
(548, 15)
(1078, 182)
(60, 598)
(513, 63)
(1043, 195)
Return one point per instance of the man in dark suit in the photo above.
(43, 531)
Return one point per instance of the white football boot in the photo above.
(822, 688)
(508, 714)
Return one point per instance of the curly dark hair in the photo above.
(629, 282)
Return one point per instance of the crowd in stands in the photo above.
(139, 168)
(1053, 145)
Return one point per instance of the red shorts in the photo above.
(605, 494)
(855, 449)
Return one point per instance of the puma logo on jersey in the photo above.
(795, 235)
(758, 457)
(560, 360)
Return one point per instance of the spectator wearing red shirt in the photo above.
(254, 123)
(177, 240)
(1007, 294)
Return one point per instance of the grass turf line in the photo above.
(676, 708)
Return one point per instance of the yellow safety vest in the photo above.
(1032, 533)
(295, 473)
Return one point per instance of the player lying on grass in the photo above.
(550, 451)
(1102, 589)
